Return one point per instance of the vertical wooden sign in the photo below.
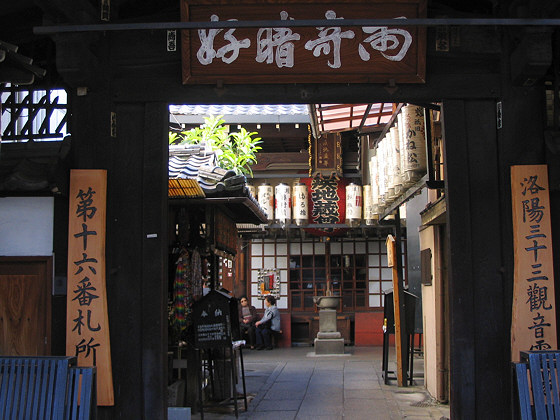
(392, 263)
(87, 322)
(533, 324)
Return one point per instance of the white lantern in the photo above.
(382, 180)
(353, 205)
(252, 191)
(374, 174)
(396, 161)
(415, 137)
(266, 200)
(282, 201)
(369, 213)
(300, 204)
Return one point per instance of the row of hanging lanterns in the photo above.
(399, 161)
(282, 204)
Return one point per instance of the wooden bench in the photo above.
(538, 381)
(46, 387)
(275, 337)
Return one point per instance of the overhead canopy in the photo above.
(352, 117)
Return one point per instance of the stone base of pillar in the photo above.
(329, 346)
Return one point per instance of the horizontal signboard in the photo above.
(304, 54)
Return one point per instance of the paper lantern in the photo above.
(396, 160)
(374, 181)
(369, 213)
(415, 139)
(300, 206)
(252, 191)
(282, 200)
(327, 204)
(353, 205)
(266, 200)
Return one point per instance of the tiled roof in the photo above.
(259, 110)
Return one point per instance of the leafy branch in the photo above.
(235, 150)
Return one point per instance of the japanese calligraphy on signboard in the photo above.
(534, 309)
(328, 155)
(297, 54)
(87, 323)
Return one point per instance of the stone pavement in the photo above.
(295, 384)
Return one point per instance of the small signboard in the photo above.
(328, 155)
(215, 320)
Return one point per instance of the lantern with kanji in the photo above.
(266, 200)
(282, 199)
(353, 205)
(300, 206)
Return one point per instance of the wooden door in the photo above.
(25, 305)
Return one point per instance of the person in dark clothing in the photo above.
(247, 318)
(268, 323)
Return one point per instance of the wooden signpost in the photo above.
(533, 325)
(400, 329)
(87, 322)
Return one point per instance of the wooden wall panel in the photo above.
(136, 163)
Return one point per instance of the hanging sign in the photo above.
(225, 233)
(87, 321)
(328, 155)
(534, 310)
(303, 54)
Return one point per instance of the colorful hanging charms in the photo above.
(180, 308)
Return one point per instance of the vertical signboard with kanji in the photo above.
(87, 323)
(534, 309)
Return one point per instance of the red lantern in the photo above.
(327, 204)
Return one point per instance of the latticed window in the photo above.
(358, 270)
(38, 115)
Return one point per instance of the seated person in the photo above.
(268, 323)
(247, 318)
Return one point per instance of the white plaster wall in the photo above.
(429, 312)
(26, 226)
